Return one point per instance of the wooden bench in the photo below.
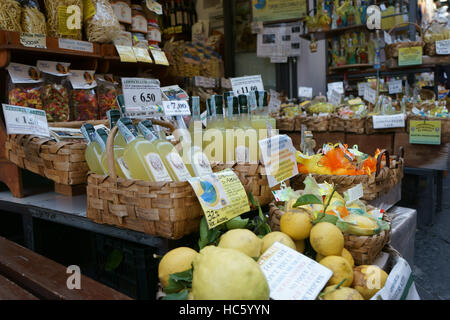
(26, 275)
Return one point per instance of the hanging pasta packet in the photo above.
(33, 20)
(107, 92)
(83, 100)
(64, 18)
(101, 24)
(24, 87)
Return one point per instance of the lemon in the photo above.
(274, 236)
(345, 254)
(327, 239)
(343, 293)
(243, 240)
(300, 245)
(174, 261)
(341, 270)
(368, 280)
(296, 224)
(227, 274)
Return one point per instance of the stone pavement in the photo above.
(432, 254)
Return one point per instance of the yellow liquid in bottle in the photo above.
(122, 169)
(246, 149)
(93, 155)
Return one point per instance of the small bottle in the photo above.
(93, 153)
(247, 149)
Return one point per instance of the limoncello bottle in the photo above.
(114, 116)
(247, 149)
(195, 125)
(225, 107)
(231, 126)
(141, 156)
(169, 155)
(263, 105)
(214, 138)
(93, 153)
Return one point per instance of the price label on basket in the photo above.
(395, 86)
(443, 47)
(126, 53)
(244, 85)
(425, 132)
(361, 88)
(335, 98)
(389, 121)
(142, 55)
(141, 93)
(278, 156)
(370, 95)
(33, 40)
(22, 120)
(338, 86)
(305, 92)
(221, 195)
(176, 108)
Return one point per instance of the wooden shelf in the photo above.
(319, 35)
(352, 66)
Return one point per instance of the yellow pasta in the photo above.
(33, 20)
(103, 26)
(57, 24)
(10, 15)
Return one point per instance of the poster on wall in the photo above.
(279, 41)
(276, 10)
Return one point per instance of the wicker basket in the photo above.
(315, 124)
(285, 124)
(167, 209)
(427, 94)
(355, 125)
(364, 249)
(391, 50)
(374, 185)
(336, 123)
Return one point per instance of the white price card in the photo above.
(338, 86)
(159, 56)
(33, 40)
(370, 95)
(141, 92)
(361, 88)
(292, 275)
(76, 45)
(176, 108)
(443, 47)
(389, 121)
(354, 193)
(244, 85)
(22, 120)
(335, 98)
(278, 155)
(395, 86)
(305, 92)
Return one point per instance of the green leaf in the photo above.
(182, 295)
(307, 199)
(207, 236)
(342, 225)
(114, 260)
(329, 218)
(261, 225)
(182, 276)
(237, 223)
(203, 228)
(179, 281)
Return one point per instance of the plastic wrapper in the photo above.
(33, 20)
(107, 92)
(84, 104)
(24, 86)
(70, 11)
(10, 12)
(103, 26)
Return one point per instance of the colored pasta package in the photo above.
(64, 18)
(101, 24)
(33, 20)
(83, 99)
(10, 12)
(107, 92)
(55, 92)
(24, 86)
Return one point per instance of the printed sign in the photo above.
(292, 275)
(142, 97)
(305, 92)
(244, 85)
(273, 10)
(370, 95)
(338, 86)
(22, 120)
(425, 132)
(443, 47)
(361, 88)
(395, 86)
(176, 108)
(126, 53)
(159, 56)
(76, 45)
(278, 156)
(335, 98)
(142, 55)
(33, 40)
(389, 121)
(221, 195)
(409, 56)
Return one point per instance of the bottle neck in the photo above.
(128, 132)
(101, 140)
(148, 132)
(88, 134)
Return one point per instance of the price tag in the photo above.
(389, 121)
(278, 156)
(22, 120)
(370, 95)
(443, 46)
(75, 45)
(409, 56)
(140, 92)
(221, 195)
(142, 55)
(154, 6)
(335, 98)
(361, 88)
(126, 53)
(159, 56)
(387, 38)
(338, 86)
(354, 193)
(33, 40)
(305, 92)
(176, 108)
(285, 268)
(395, 86)
(425, 132)
(244, 85)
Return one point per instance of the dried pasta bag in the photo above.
(101, 24)
(55, 92)
(83, 100)
(107, 92)
(33, 20)
(24, 86)
(64, 18)
(10, 12)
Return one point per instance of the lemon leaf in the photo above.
(237, 223)
(182, 295)
(329, 218)
(179, 281)
(342, 225)
(307, 199)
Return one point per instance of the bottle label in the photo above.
(242, 154)
(123, 166)
(127, 134)
(178, 166)
(201, 164)
(157, 167)
(98, 138)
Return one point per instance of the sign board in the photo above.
(361, 88)
(176, 108)
(159, 56)
(275, 10)
(244, 85)
(335, 98)
(33, 40)
(305, 92)
(370, 95)
(395, 86)
(22, 120)
(142, 55)
(76, 45)
(425, 132)
(409, 56)
(221, 195)
(338, 86)
(126, 53)
(443, 47)
(389, 121)
(142, 96)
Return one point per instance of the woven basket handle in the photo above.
(76, 124)
(110, 145)
(401, 153)
(406, 24)
(380, 157)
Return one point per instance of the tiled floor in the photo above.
(432, 254)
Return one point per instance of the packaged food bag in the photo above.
(107, 92)
(33, 20)
(25, 85)
(64, 18)
(10, 12)
(83, 100)
(101, 24)
(55, 92)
